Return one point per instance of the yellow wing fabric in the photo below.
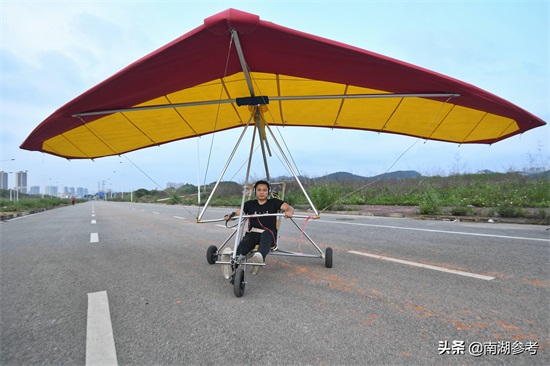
(130, 130)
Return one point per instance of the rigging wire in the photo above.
(288, 152)
(218, 110)
(198, 174)
(374, 181)
(111, 145)
(243, 164)
(396, 160)
(158, 185)
(215, 126)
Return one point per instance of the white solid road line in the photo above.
(100, 342)
(434, 231)
(94, 238)
(416, 264)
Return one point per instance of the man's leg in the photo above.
(248, 243)
(266, 242)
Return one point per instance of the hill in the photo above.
(349, 177)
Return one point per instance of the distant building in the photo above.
(50, 191)
(35, 190)
(81, 192)
(21, 182)
(3, 180)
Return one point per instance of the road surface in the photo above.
(129, 284)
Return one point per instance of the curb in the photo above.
(480, 219)
(12, 216)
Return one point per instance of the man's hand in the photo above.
(289, 213)
(288, 209)
(229, 216)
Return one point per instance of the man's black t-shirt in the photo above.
(253, 207)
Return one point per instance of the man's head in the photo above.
(261, 189)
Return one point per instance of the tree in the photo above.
(141, 192)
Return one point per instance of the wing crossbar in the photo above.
(265, 100)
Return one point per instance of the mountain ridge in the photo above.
(346, 176)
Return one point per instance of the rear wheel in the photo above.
(212, 254)
(238, 283)
(328, 257)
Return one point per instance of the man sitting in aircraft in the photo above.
(262, 231)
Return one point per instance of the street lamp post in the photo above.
(11, 191)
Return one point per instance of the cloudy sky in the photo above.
(52, 51)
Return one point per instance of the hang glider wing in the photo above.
(207, 80)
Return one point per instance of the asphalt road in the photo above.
(461, 293)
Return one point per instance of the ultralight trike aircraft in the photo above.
(237, 70)
(238, 263)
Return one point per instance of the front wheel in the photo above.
(212, 254)
(238, 283)
(328, 257)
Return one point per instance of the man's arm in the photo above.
(288, 209)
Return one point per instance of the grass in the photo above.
(29, 203)
(431, 193)
(497, 194)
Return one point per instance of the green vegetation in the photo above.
(494, 194)
(29, 203)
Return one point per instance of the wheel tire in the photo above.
(328, 257)
(212, 254)
(238, 283)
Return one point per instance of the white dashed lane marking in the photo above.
(100, 342)
(94, 237)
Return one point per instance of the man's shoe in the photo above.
(226, 257)
(256, 258)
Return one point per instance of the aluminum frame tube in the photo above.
(245, 187)
(224, 169)
(308, 238)
(244, 65)
(296, 97)
(292, 170)
(263, 143)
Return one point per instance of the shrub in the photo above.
(326, 196)
(295, 197)
(510, 211)
(462, 211)
(430, 203)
